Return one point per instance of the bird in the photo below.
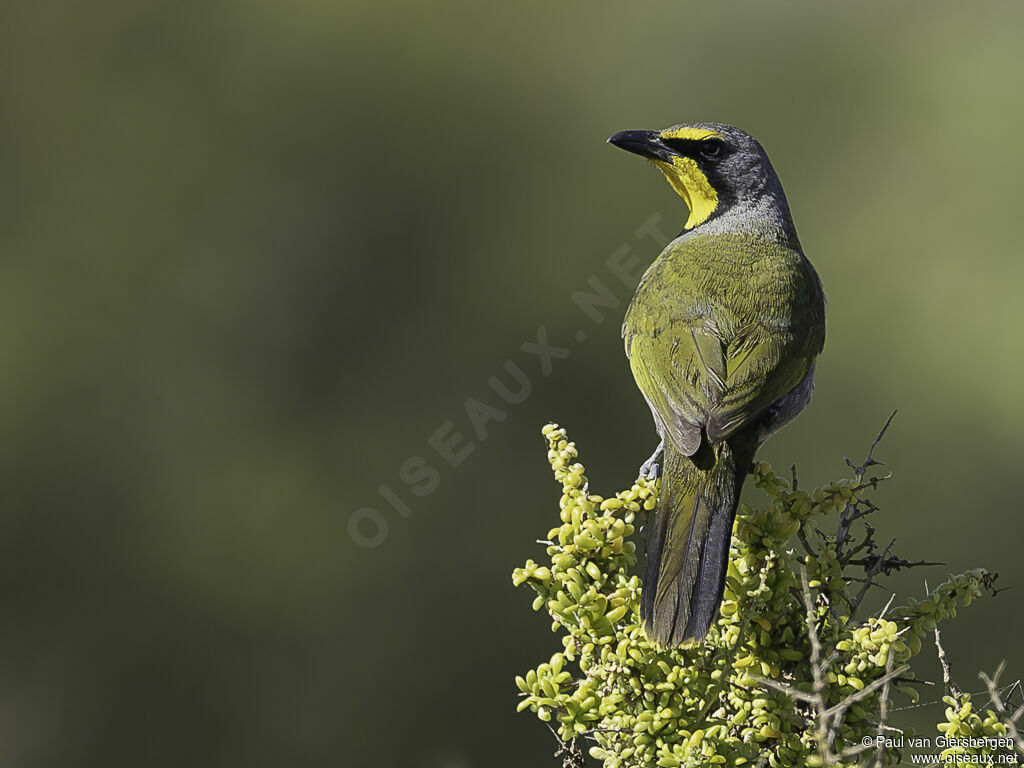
(722, 336)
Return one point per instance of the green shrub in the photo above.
(788, 676)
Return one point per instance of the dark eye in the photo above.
(711, 148)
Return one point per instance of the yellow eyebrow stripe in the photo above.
(696, 134)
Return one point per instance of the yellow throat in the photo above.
(688, 180)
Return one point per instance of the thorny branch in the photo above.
(883, 716)
(827, 719)
(947, 676)
(854, 511)
(1007, 718)
(863, 552)
(813, 703)
(571, 754)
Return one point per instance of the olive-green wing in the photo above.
(695, 374)
(761, 368)
(680, 370)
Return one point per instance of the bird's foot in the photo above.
(650, 469)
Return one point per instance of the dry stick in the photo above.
(883, 713)
(883, 683)
(947, 677)
(873, 562)
(828, 718)
(573, 755)
(870, 461)
(850, 513)
(800, 530)
(1007, 719)
(789, 690)
(869, 577)
(805, 543)
(867, 690)
(888, 605)
(891, 563)
(824, 740)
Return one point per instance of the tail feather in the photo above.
(688, 553)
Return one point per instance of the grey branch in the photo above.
(1007, 718)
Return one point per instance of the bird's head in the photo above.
(712, 166)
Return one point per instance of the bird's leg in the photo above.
(650, 468)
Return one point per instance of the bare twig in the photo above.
(869, 578)
(805, 543)
(890, 564)
(870, 460)
(947, 676)
(571, 754)
(888, 605)
(818, 674)
(867, 690)
(860, 472)
(883, 714)
(1008, 719)
(828, 719)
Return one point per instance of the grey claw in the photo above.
(650, 469)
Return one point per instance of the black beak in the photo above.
(644, 143)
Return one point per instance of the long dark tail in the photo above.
(688, 553)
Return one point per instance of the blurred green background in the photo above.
(256, 253)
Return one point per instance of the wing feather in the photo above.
(712, 346)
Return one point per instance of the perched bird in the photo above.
(722, 337)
